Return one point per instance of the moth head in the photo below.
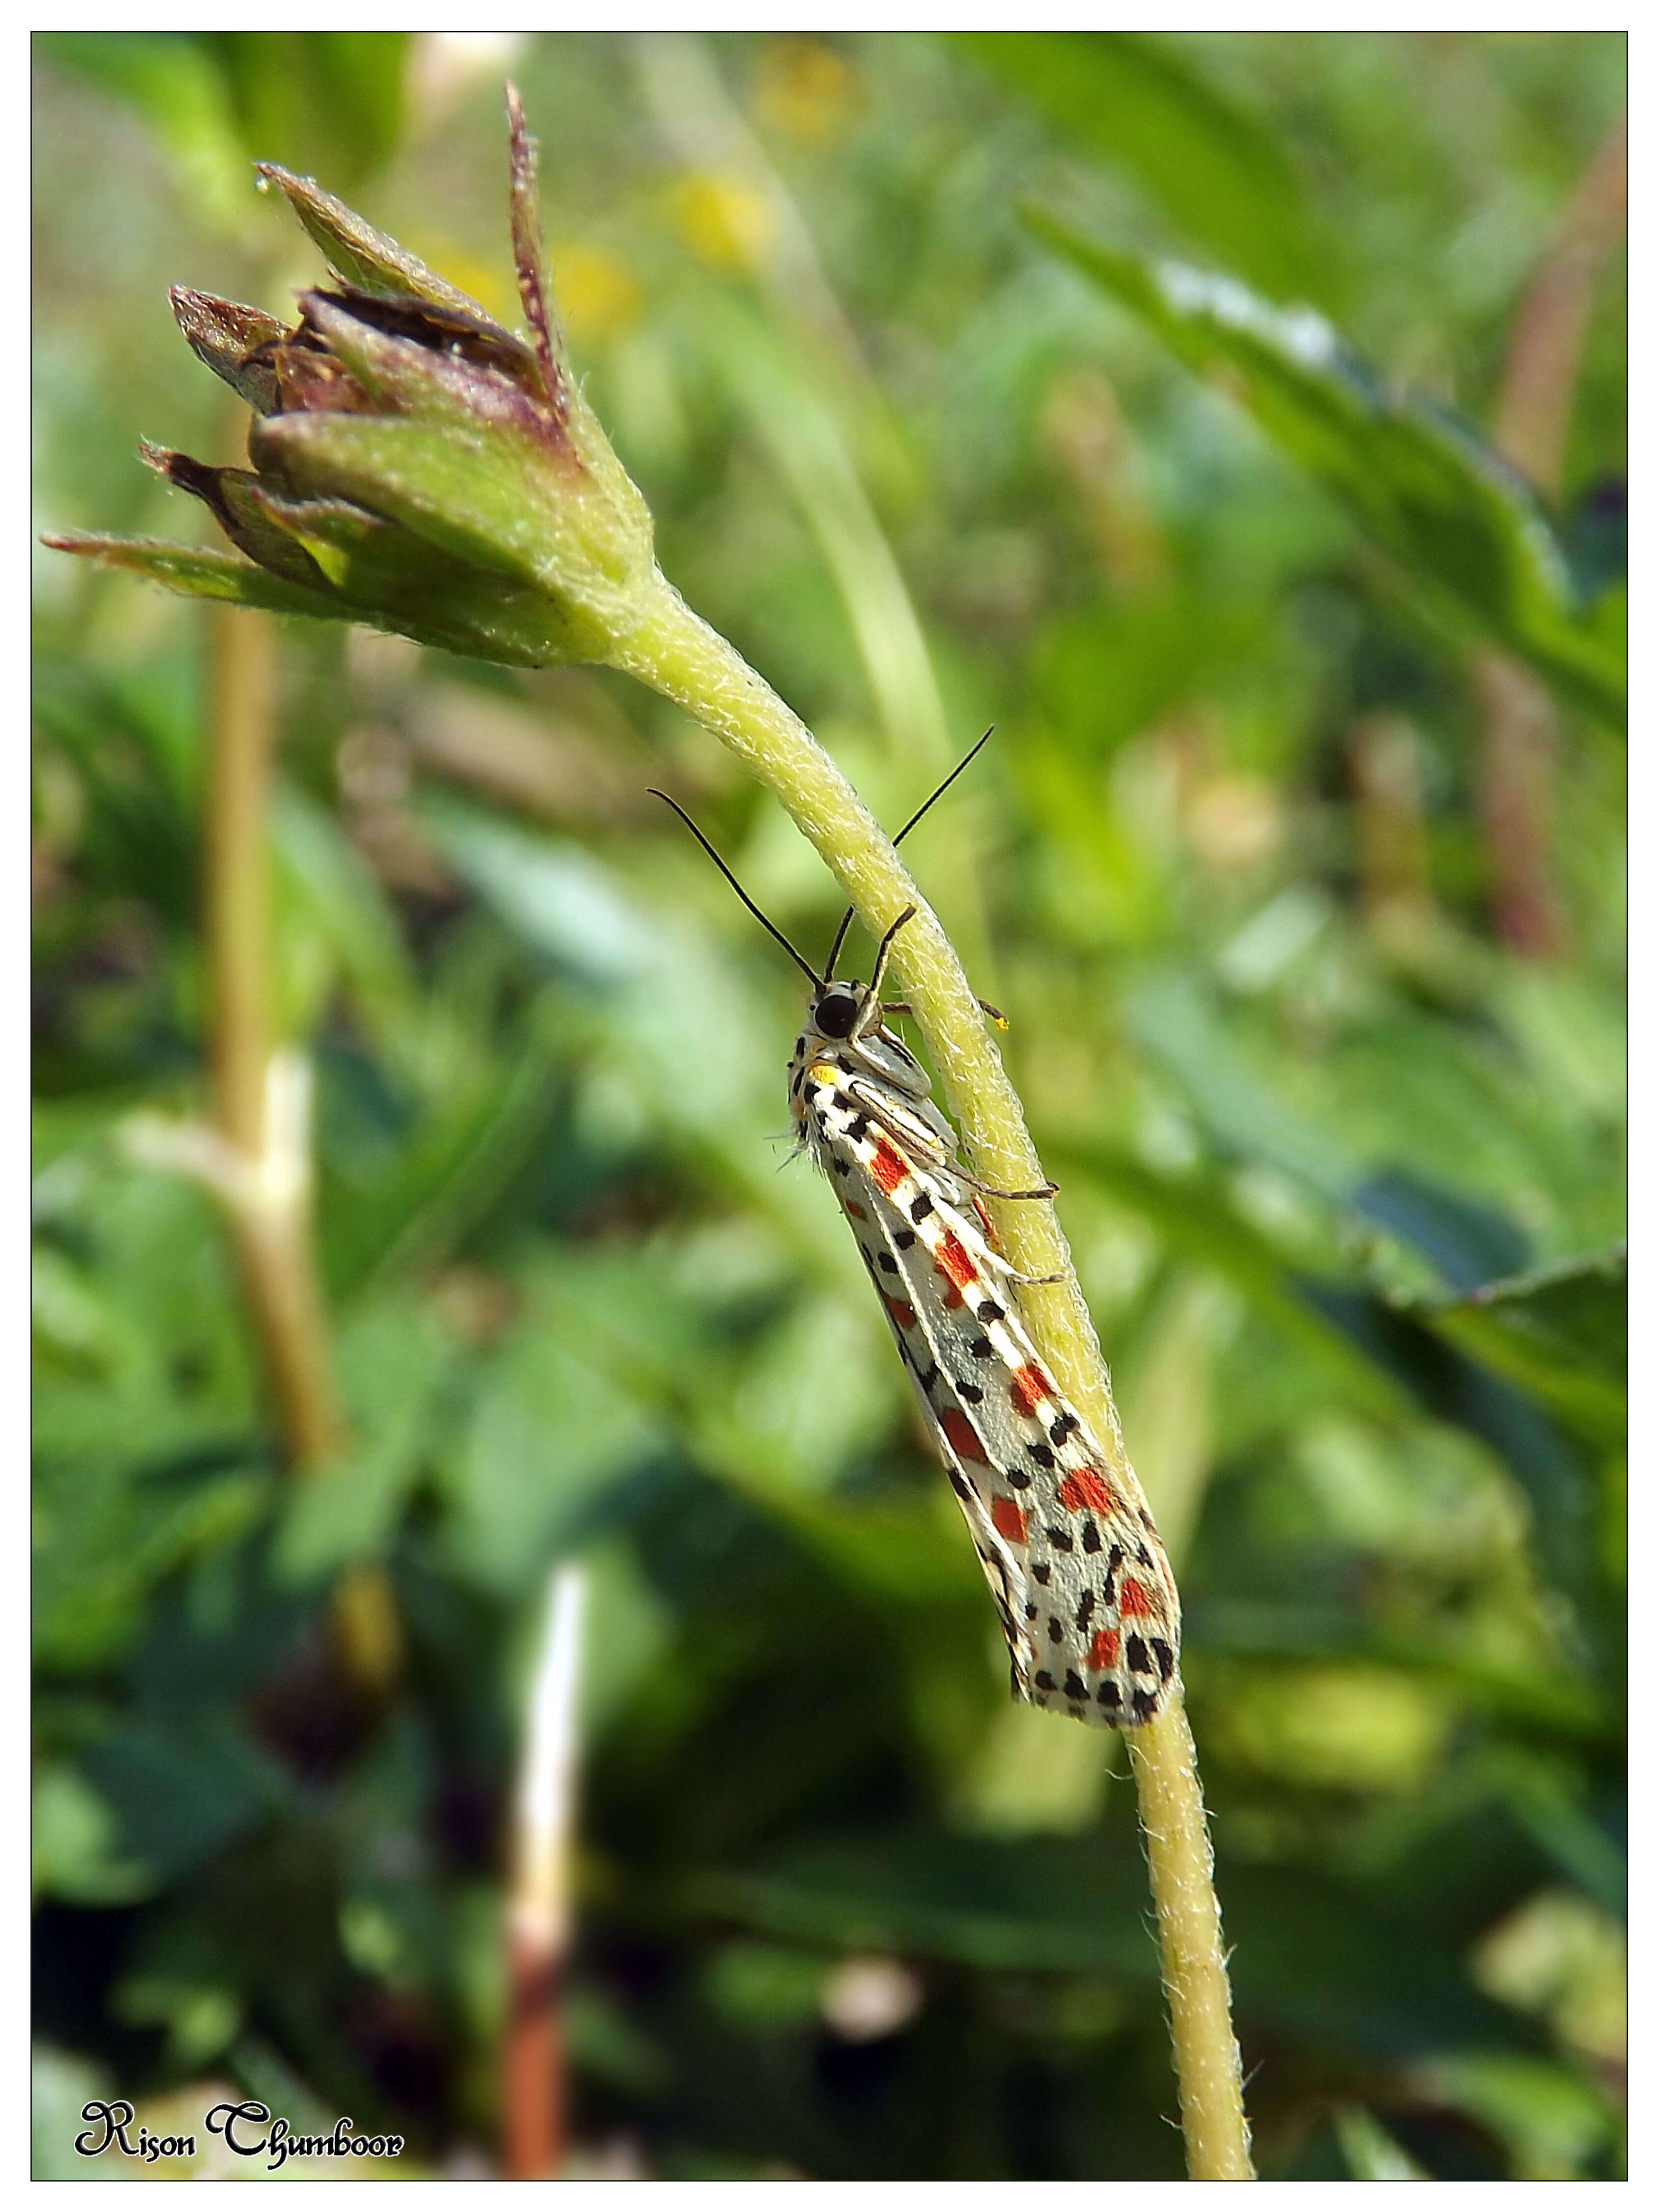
(836, 1008)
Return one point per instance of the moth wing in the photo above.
(1101, 1621)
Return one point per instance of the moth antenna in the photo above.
(908, 914)
(846, 919)
(771, 927)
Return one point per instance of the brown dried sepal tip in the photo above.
(530, 258)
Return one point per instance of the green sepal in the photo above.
(385, 573)
(472, 490)
(461, 611)
(365, 256)
(200, 573)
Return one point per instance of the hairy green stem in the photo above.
(676, 653)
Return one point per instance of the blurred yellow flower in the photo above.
(724, 223)
(489, 284)
(597, 295)
(805, 90)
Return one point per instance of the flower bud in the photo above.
(413, 465)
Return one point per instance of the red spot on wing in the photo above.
(856, 1210)
(904, 1314)
(1132, 1599)
(951, 1258)
(1103, 1651)
(1008, 1521)
(1083, 1486)
(887, 1168)
(962, 1435)
(1028, 1388)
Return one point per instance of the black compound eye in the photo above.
(836, 1013)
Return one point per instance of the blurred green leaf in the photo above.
(1559, 1333)
(1302, 1950)
(75, 1842)
(181, 1792)
(172, 82)
(316, 100)
(1553, 2119)
(1462, 526)
(394, 1366)
(1137, 103)
(218, 100)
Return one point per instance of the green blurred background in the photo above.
(1307, 909)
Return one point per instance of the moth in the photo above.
(1076, 1570)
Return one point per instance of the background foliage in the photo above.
(877, 325)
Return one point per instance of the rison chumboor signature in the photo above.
(247, 2126)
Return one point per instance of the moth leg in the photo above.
(1049, 1189)
(900, 1006)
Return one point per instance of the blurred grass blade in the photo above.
(1559, 1334)
(1415, 479)
(1310, 1951)
(167, 79)
(1133, 103)
(1196, 1217)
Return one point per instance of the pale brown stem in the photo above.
(261, 1098)
(1534, 403)
(1388, 797)
(535, 2090)
(272, 1229)
(1520, 732)
(1520, 736)
(238, 869)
